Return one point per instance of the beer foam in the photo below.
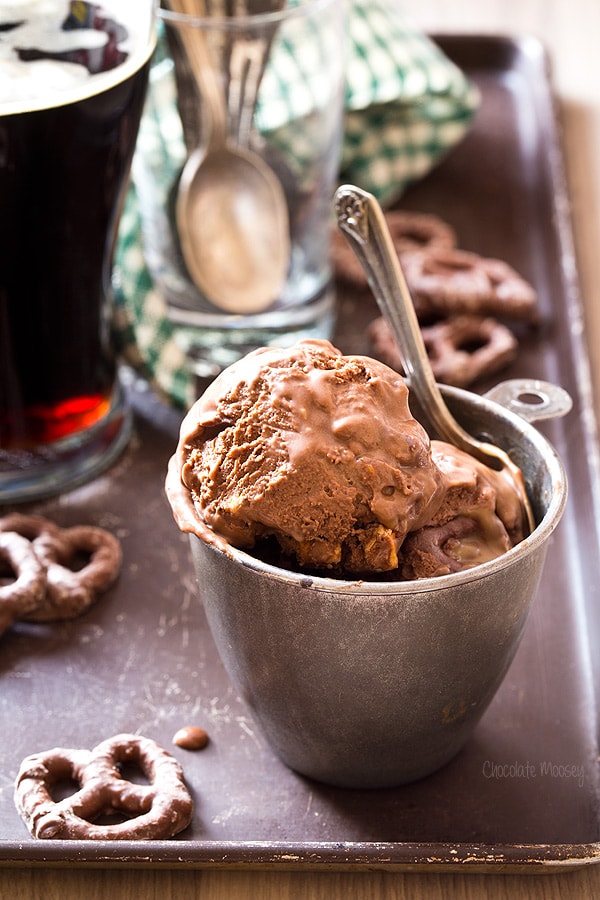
(44, 83)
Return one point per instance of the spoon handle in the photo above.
(248, 62)
(203, 66)
(361, 219)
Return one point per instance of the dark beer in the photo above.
(64, 164)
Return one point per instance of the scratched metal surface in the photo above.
(524, 791)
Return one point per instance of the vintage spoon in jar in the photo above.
(231, 211)
(361, 219)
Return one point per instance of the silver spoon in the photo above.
(361, 219)
(231, 210)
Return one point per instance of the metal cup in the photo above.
(371, 684)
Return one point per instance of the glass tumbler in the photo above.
(280, 74)
(73, 79)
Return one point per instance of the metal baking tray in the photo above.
(524, 792)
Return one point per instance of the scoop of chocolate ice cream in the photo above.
(316, 449)
(321, 452)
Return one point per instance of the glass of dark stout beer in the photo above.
(73, 78)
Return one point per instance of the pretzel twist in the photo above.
(153, 811)
(55, 553)
(410, 231)
(461, 349)
(448, 281)
(69, 593)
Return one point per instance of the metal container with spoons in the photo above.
(361, 219)
(231, 210)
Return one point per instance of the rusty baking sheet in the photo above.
(523, 794)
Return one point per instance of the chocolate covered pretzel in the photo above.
(153, 811)
(448, 281)
(77, 563)
(461, 349)
(70, 591)
(410, 231)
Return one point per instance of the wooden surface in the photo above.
(570, 29)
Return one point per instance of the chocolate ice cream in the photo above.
(479, 518)
(320, 453)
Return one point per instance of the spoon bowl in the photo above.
(361, 219)
(233, 228)
(231, 209)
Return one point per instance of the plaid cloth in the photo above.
(406, 106)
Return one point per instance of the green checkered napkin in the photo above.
(406, 106)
